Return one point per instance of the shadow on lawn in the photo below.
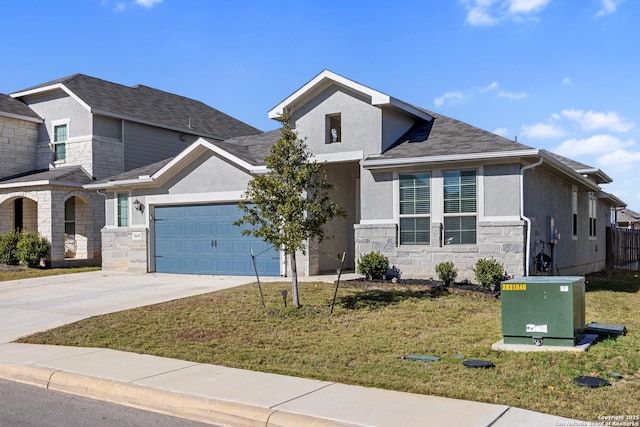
(614, 280)
(376, 298)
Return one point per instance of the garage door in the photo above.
(201, 239)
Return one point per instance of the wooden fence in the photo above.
(623, 248)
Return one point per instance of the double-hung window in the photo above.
(415, 208)
(593, 209)
(123, 210)
(460, 207)
(60, 135)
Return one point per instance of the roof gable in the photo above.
(145, 105)
(327, 78)
(16, 109)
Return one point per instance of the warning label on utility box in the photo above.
(536, 328)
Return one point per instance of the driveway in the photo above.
(32, 305)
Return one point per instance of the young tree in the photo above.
(290, 203)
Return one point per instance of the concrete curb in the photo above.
(190, 407)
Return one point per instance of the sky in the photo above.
(563, 75)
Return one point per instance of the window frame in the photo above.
(574, 212)
(461, 214)
(332, 121)
(123, 220)
(57, 144)
(413, 215)
(593, 215)
(70, 220)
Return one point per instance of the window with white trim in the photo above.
(415, 208)
(593, 209)
(123, 209)
(460, 207)
(574, 209)
(59, 140)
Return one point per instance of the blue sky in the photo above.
(559, 74)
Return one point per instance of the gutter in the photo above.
(527, 249)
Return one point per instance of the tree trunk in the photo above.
(294, 281)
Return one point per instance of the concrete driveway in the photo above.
(32, 305)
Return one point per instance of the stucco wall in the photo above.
(501, 190)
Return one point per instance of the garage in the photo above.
(201, 239)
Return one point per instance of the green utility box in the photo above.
(543, 310)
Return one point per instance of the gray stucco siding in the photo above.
(209, 173)
(61, 107)
(144, 144)
(501, 190)
(394, 125)
(361, 123)
(376, 196)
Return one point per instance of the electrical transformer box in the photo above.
(543, 310)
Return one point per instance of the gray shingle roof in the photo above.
(146, 170)
(152, 106)
(253, 148)
(446, 136)
(72, 174)
(16, 107)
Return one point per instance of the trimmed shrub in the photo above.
(447, 272)
(373, 265)
(8, 247)
(32, 249)
(488, 272)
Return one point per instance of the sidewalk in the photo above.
(227, 396)
(206, 393)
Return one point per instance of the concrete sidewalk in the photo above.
(227, 396)
(214, 394)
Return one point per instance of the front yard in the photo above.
(360, 343)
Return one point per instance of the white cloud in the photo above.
(593, 120)
(501, 131)
(542, 130)
(491, 12)
(512, 95)
(567, 81)
(450, 98)
(621, 159)
(148, 3)
(607, 7)
(492, 86)
(593, 145)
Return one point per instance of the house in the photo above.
(629, 219)
(58, 136)
(418, 186)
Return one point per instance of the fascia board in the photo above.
(50, 88)
(606, 179)
(416, 161)
(612, 198)
(348, 156)
(43, 182)
(566, 170)
(377, 98)
(21, 117)
(144, 179)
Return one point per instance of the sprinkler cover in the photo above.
(592, 382)
(474, 363)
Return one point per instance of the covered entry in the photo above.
(201, 239)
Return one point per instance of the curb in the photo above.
(181, 405)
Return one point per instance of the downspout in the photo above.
(527, 220)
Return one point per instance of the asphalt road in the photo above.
(29, 406)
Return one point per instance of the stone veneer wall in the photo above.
(504, 241)
(18, 140)
(124, 249)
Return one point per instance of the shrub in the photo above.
(32, 249)
(373, 265)
(8, 247)
(488, 272)
(447, 272)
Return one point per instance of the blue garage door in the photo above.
(201, 239)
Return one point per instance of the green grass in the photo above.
(18, 273)
(359, 343)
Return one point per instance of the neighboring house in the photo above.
(628, 219)
(58, 136)
(420, 187)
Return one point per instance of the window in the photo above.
(574, 208)
(70, 217)
(415, 209)
(333, 128)
(18, 214)
(593, 208)
(59, 140)
(460, 201)
(123, 210)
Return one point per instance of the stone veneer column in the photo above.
(124, 249)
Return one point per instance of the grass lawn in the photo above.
(17, 272)
(359, 343)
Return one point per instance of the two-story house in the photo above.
(418, 186)
(58, 136)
